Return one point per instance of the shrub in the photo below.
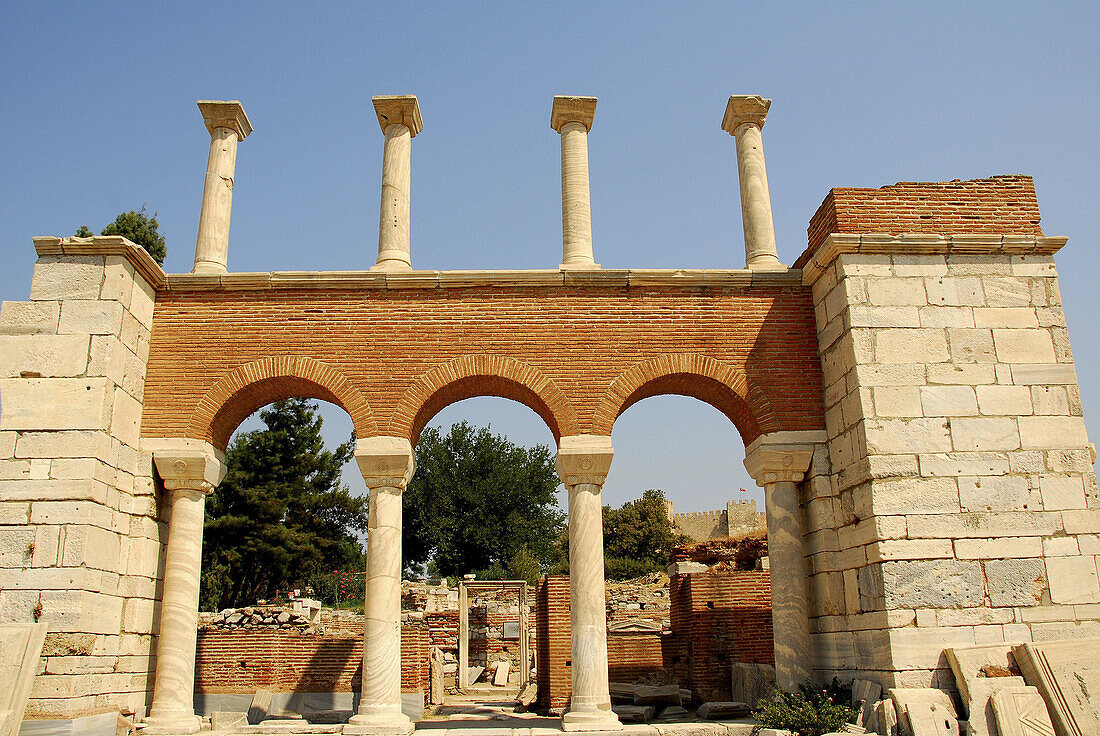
(808, 712)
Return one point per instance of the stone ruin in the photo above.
(905, 391)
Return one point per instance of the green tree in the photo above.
(138, 228)
(478, 502)
(637, 537)
(281, 516)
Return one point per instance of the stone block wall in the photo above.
(961, 504)
(80, 527)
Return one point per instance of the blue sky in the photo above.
(99, 116)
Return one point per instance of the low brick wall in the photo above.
(289, 662)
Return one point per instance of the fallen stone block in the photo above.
(925, 712)
(635, 713)
(971, 663)
(528, 694)
(657, 695)
(221, 720)
(1021, 711)
(672, 713)
(749, 682)
(1067, 675)
(717, 710)
(685, 568)
(622, 692)
(473, 674)
(20, 648)
(260, 708)
(500, 676)
(886, 716)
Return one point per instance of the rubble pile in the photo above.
(645, 597)
(256, 617)
(727, 554)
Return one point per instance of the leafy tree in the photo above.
(637, 537)
(281, 516)
(480, 502)
(138, 228)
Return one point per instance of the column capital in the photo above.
(225, 114)
(781, 456)
(584, 458)
(403, 109)
(385, 462)
(742, 109)
(187, 464)
(572, 109)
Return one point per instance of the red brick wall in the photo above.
(998, 205)
(284, 661)
(553, 655)
(725, 617)
(392, 358)
(631, 657)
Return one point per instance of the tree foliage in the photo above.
(637, 537)
(138, 228)
(281, 515)
(478, 502)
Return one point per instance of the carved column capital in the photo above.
(218, 114)
(385, 462)
(584, 459)
(572, 109)
(745, 109)
(398, 109)
(188, 465)
(781, 456)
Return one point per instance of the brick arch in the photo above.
(725, 388)
(254, 385)
(481, 375)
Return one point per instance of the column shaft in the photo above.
(587, 613)
(381, 698)
(576, 202)
(756, 203)
(173, 709)
(212, 244)
(790, 606)
(394, 249)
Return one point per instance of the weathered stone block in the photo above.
(971, 345)
(67, 277)
(954, 291)
(1004, 400)
(897, 401)
(915, 496)
(1073, 579)
(1014, 346)
(932, 584)
(996, 493)
(55, 403)
(989, 524)
(1016, 582)
(902, 346)
(1006, 292)
(971, 374)
(946, 316)
(83, 317)
(984, 434)
(46, 356)
(142, 303)
(1049, 400)
(963, 463)
(1048, 374)
(1016, 317)
(22, 318)
(907, 436)
(64, 444)
(1048, 433)
(1062, 492)
(1003, 547)
(896, 292)
(948, 401)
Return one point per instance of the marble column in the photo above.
(582, 464)
(227, 124)
(572, 118)
(778, 462)
(399, 118)
(745, 115)
(190, 473)
(387, 466)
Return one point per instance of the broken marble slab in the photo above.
(260, 709)
(924, 711)
(886, 717)
(1021, 711)
(500, 676)
(972, 663)
(20, 648)
(657, 695)
(865, 694)
(719, 709)
(634, 713)
(979, 710)
(1065, 673)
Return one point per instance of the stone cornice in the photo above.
(584, 459)
(691, 278)
(104, 245)
(923, 244)
(385, 462)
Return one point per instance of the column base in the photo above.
(581, 266)
(392, 264)
(209, 268)
(589, 720)
(174, 725)
(381, 724)
(766, 263)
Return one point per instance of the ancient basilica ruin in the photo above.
(905, 391)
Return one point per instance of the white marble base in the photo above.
(172, 725)
(588, 720)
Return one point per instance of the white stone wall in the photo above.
(80, 538)
(961, 504)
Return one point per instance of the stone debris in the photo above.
(20, 648)
(500, 675)
(886, 718)
(750, 682)
(227, 720)
(739, 553)
(257, 617)
(635, 713)
(260, 708)
(657, 695)
(865, 694)
(925, 712)
(529, 694)
(1021, 711)
(718, 710)
(672, 713)
(1067, 675)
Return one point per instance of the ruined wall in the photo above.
(961, 506)
(80, 522)
(700, 525)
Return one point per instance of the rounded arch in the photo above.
(722, 386)
(481, 375)
(254, 385)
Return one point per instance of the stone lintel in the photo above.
(402, 109)
(104, 245)
(186, 463)
(781, 456)
(225, 114)
(741, 109)
(816, 263)
(572, 109)
(584, 458)
(385, 462)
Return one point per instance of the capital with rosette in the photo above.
(385, 462)
(189, 465)
(780, 457)
(584, 459)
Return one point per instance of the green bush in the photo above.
(808, 712)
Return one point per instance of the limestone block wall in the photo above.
(962, 504)
(80, 529)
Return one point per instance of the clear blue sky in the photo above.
(99, 116)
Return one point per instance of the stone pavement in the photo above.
(512, 726)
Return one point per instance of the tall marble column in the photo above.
(777, 462)
(582, 464)
(190, 471)
(227, 124)
(399, 118)
(572, 118)
(387, 466)
(745, 115)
